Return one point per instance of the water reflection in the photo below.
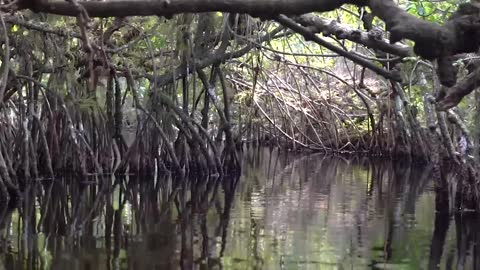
(284, 212)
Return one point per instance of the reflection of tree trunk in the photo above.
(450, 260)
(476, 249)
(462, 241)
(387, 247)
(394, 187)
(229, 190)
(109, 216)
(254, 232)
(205, 244)
(442, 222)
(187, 218)
(467, 241)
(5, 227)
(377, 187)
(117, 232)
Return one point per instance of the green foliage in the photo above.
(435, 11)
(244, 98)
(159, 42)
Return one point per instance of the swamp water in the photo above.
(284, 212)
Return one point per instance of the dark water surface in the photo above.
(284, 212)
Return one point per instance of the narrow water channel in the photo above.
(284, 212)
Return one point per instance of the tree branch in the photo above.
(432, 40)
(41, 27)
(123, 8)
(341, 31)
(458, 35)
(217, 57)
(455, 94)
(284, 20)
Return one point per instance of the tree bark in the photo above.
(123, 8)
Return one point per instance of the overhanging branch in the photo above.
(41, 27)
(454, 95)
(284, 20)
(461, 33)
(123, 8)
(432, 40)
(341, 31)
